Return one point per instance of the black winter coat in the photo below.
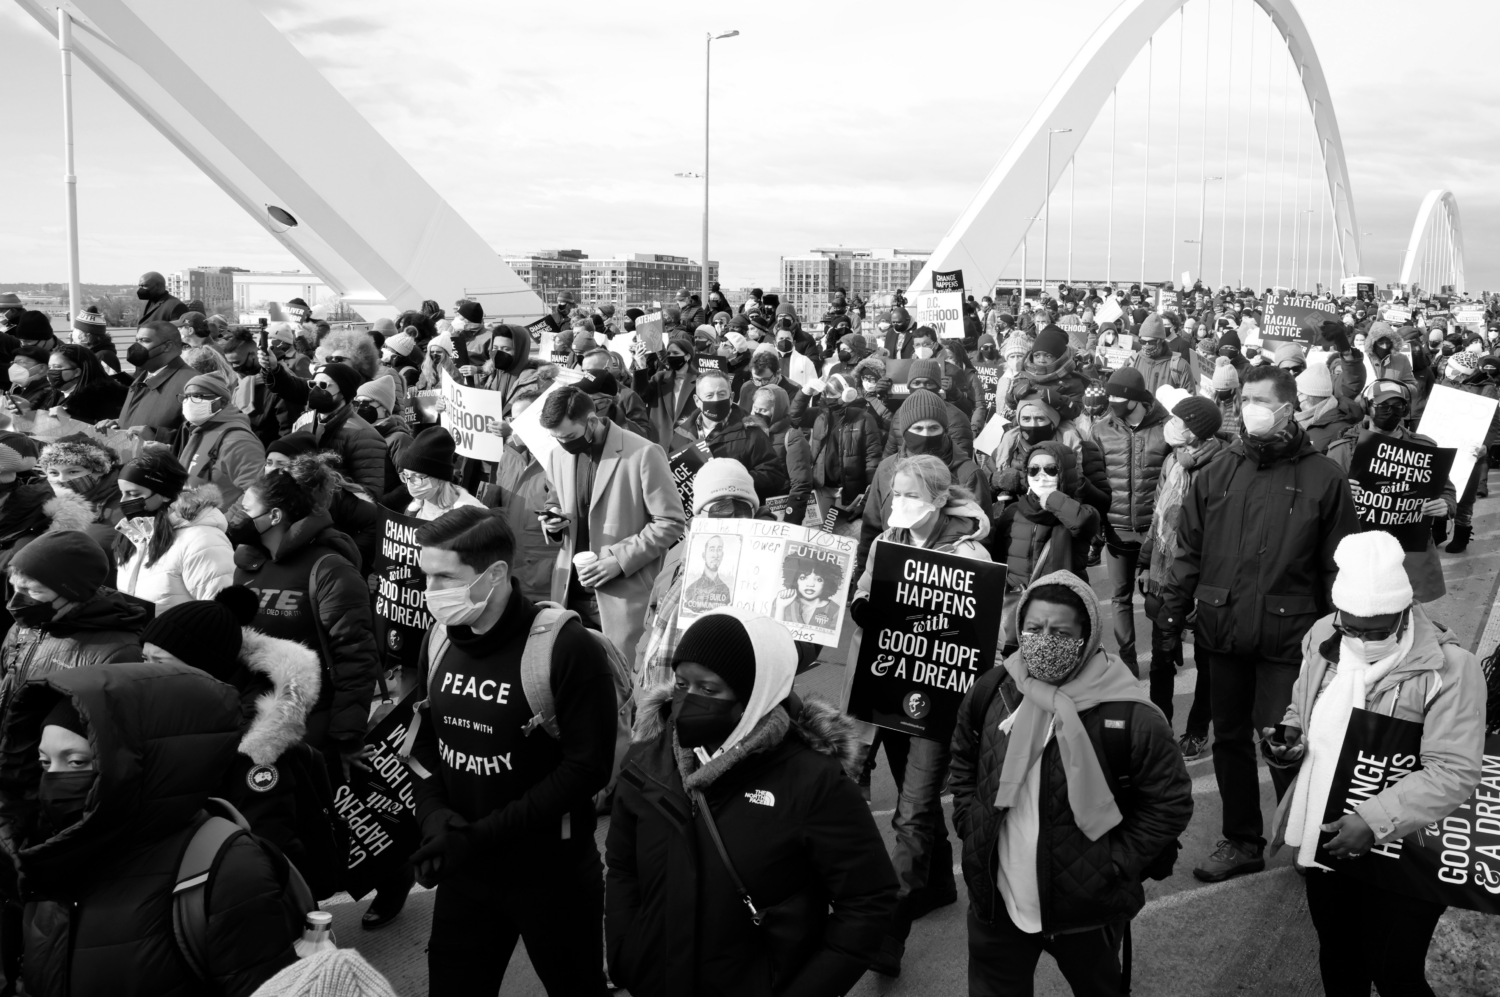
(1256, 551)
(748, 444)
(791, 818)
(1133, 456)
(97, 896)
(97, 401)
(1082, 884)
(846, 447)
(362, 450)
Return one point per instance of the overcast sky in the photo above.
(862, 124)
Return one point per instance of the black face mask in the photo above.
(1225, 395)
(28, 611)
(990, 353)
(134, 508)
(916, 443)
(369, 413)
(143, 294)
(783, 346)
(1448, 349)
(845, 356)
(1037, 434)
(62, 796)
(249, 368)
(1382, 349)
(56, 379)
(703, 721)
(1121, 409)
(579, 444)
(503, 361)
(139, 355)
(676, 361)
(1229, 351)
(319, 399)
(1386, 420)
(718, 411)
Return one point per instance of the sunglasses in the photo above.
(1036, 470)
(1372, 633)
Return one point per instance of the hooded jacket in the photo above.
(1035, 539)
(1394, 366)
(1081, 884)
(966, 475)
(97, 916)
(197, 565)
(223, 452)
(792, 820)
(742, 441)
(1329, 425)
(310, 592)
(961, 529)
(796, 456)
(523, 369)
(1133, 457)
(102, 630)
(845, 444)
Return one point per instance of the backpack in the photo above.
(200, 859)
(323, 833)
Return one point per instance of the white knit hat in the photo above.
(1169, 396)
(1372, 575)
(722, 477)
(331, 973)
(1226, 378)
(1315, 381)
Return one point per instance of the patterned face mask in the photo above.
(1050, 658)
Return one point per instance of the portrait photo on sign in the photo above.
(813, 584)
(711, 563)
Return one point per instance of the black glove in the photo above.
(444, 855)
(859, 612)
(883, 388)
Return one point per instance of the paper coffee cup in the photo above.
(584, 557)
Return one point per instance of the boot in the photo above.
(1461, 534)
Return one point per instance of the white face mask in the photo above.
(1175, 433)
(1042, 485)
(459, 605)
(908, 512)
(1261, 420)
(1371, 651)
(19, 376)
(425, 488)
(197, 410)
(923, 352)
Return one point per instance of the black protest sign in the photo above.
(425, 404)
(989, 380)
(936, 634)
(544, 324)
(1453, 861)
(1395, 478)
(380, 806)
(684, 464)
(1295, 318)
(947, 280)
(710, 363)
(898, 371)
(401, 617)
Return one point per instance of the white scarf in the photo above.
(1324, 738)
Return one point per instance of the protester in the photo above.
(85, 390)
(718, 422)
(510, 365)
(929, 509)
(335, 425)
(925, 374)
(172, 546)
(375, 403)
(845, 444)
(90, 332)
(153, 406)
(1157, 362)
(666, 383)
(354, 511)
(159, 305)
(765, 372)
(1052, 363)
(30, 389)
(729, 742)
(217, 444)
(1346, 365)
(1256, 538)
(1378, 651)
(770, 413)
(875, 389)
(427, 486)
(1037, 420)
(1060, 870)
(82, 475)
(1323, 415)
(524, 493)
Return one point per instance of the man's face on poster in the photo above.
(713, 554)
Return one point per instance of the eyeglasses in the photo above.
(1037, 470)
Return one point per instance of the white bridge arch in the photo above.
(984, 238)
(1439, 229)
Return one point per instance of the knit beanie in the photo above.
(1372, 575)
(1016, 345)
(331, 973)
(1127, 382)
(737, 339)
(472, 311)
(738, 324)
(722, 477)
(157, 470)
(921, 404)
(1463, 364)
(1226, 378)
(205, 633)
(1038, 402)
(346, 377)
(1315, 381)
(88, 321)
(65, 715)
(1201, 416)
(11, 461)
(431, 453)
(23, 445)
(1288, 351)
(1153, 327)
(932, 370)
(69, 562)
(1051, 341)
(720, 643)
(381, 391)
(1169, 396)
(1095, 395)
(1230, 338)
(401, 344)
(294, 444)
(35, 326)
(211, 383)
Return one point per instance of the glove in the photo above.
(443, 856)
(1008, 480)
(859, 612)
(883, 387)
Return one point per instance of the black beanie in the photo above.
(431, 453)
(34, 326)
(1051, 341)
(157, 470)
(472, 311)
(346, 377)
(1127, 382)
(66, 716)
(719, 643)
(206, 633)
(600, 382)
(294, 444)
(1229, 338)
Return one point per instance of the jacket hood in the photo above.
(316, 529)
(107, 610)
(163, 736)
(226, 419)
(965, 519)
(280, 719)
(199, 507)
(1084, 591)
(871, 366)
(68, 511)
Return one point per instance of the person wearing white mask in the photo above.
(1378, 652)
(427, 465)
(928, 510)
(219, 446)
(1256, 537)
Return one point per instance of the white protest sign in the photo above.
(1457, 419)
(1397, 316)
(528, 425)
(622, 345)
(472, 416)
(989, 437)
(942, 311)
(1471, 315)
(1187, 280)
(1109, 311)
(794, 575)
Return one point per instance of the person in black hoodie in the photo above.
(85, 389)
(726, 752)
(507, 814)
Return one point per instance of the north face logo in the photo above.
(762, 796)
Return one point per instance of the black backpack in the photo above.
(323, 833)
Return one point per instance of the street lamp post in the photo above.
(70, 178)
(1202, 207)
(1047, 205)
(707, 61)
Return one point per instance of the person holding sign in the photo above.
(1377, 652)
(666, 382)
(510, 366)
(717, 421)
(1042, 753)
(1466, 373)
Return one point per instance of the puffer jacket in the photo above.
(103, 630)
(1256, 549)
(97, 897)
(223, 452)
(197, 565)
(845, 445)
(742, 441)
(1439, 685)
(362, 451)
(1022, 533)
(1133, 456)
(791, 819)
(1395, 365)
(1061, 375)
(966, 475)
(1008, 476)
(310, 592)
(1082, 884)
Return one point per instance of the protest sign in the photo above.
(1295, 318)
(1187, 279)
(989, 437)
(1203, 372)
(795, 575)
(947, 280)
(1397, 316)
(684, 464)
(989, 380)
(1454, 861)
(1073, 326)
(425, 404)
(542, 325)
(1362, 288)
(942, 312)
(1166, 300)
(648, 329)
(1120, 354)
(898, 371)
(1470, 315)
(710, 363)
(380, 805)
(473, 417)
(1395, 478)
(401, 617)
(1460, 420)
(938, 625)
(1109, 311)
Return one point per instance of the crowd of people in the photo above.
(190, 662)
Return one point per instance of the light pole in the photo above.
(1047, 206)
(70, 179)
(1202, 207)
(1026, 241)
(707, 61)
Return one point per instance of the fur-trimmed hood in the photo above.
(68, 511)
(280, 719)
(199, 506)
(819, 724)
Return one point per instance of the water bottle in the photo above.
(317, 936)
